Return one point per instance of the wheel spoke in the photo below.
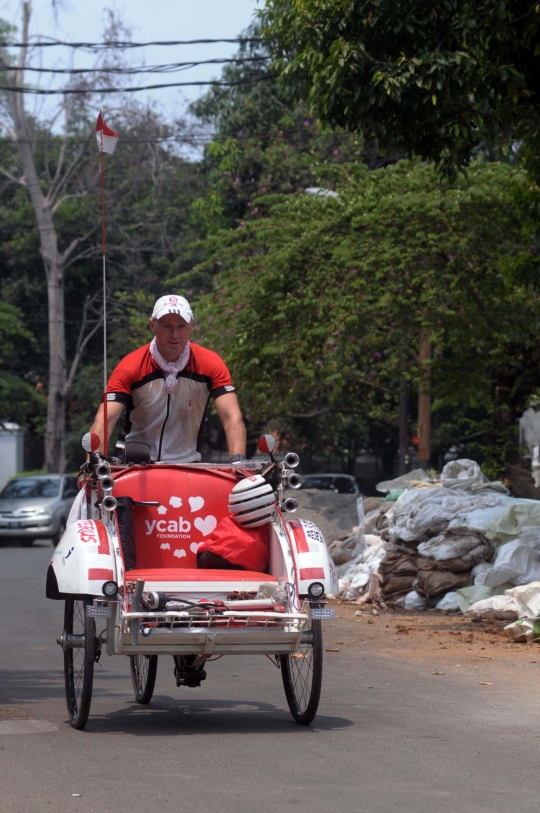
(302, 674)
(143, 675)
(79, 662)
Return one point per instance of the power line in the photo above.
(71, 91)
(165, 68)
(200, 137)
(124, 44)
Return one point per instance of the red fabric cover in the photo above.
(243, 547)
(191, 574)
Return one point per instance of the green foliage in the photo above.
(20, 400)
(266, 142)
(437, 79)
(320, 306)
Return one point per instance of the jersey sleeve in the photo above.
(221, 378)
(119, 384)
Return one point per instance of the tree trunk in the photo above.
(403, 455)
(504, 446)
(424, 405)
(53, 262)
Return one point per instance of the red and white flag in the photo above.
(106, 138)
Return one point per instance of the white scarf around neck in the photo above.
(170, 367)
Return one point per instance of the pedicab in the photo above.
(127, 572)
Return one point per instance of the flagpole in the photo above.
(103, 253)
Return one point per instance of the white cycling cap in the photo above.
(172, 304)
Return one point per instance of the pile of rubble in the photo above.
(445, 543)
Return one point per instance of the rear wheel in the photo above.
(143, 675)
(79, 660)
(302, 675)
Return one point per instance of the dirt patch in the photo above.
(418, 636)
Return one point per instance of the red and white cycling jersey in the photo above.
(171, 424)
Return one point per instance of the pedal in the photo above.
(193, 678)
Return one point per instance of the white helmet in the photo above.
(252, 502)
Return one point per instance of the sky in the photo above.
(82, 20)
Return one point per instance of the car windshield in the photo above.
(27, 487)
(344, 485)
(318, 482)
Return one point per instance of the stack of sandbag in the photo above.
(362, 578)
(430, 539)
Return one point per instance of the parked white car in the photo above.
(36, 507)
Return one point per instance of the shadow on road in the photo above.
(165, 716)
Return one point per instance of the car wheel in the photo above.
(60, 532)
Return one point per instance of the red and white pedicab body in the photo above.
(311, 557)
(85, 559)
(190, 504)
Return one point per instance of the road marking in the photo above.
(13, 713)
(26, 727)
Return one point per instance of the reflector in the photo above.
(90, 442)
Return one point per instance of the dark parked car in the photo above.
(36, 507)
(340, 483)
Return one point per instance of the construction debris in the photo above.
(456, 543)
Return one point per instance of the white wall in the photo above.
(11, 453)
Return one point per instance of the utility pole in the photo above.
(424, 404)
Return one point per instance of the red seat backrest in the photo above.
(191, 503)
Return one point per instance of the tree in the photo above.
(438, 79)
(320, 306)
(20, 398)
(57, 170)
(264, 140)
(48, 195)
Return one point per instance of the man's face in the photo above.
(172, 333)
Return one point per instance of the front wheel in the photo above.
(79, 629)
(143, 675)
(59, 533)
(302, 675)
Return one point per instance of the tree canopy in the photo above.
(322, 302)
(438, 79)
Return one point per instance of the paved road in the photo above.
(411, 742)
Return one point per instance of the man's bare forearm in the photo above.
(114, 410)
(235, 432)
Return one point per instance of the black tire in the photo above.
(302, 676)
(79, 661)
(59, 533)
(143, 675)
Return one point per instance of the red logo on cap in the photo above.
(173, 300)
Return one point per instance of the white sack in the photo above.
(448, 546)
(467, 475)
(508, 524)
(412, 601)
(496, 607)
(363, 566)
(524, 631)
(427, 512)
(480, 571)
(517, 562)
(527, 598)
(369, 523)
(79, 509)
(401, 482)
(449, 602)
(470, 595)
